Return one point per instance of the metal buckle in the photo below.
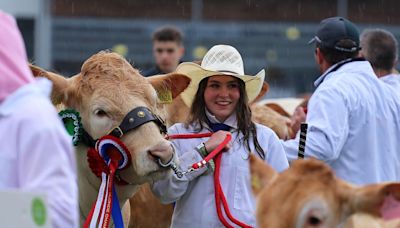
(115, 130)
(161, 124)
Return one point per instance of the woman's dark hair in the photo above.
(243, 115)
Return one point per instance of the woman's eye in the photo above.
(233, 86)
(214, 86)
(100, 113)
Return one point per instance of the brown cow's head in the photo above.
(263, 114)
(309, 195)
(105, 90)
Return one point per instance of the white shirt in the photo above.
(36, 153)
(194, 193)
(353, 125)
(393, 80)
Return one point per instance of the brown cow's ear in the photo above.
(261, 174)
(278, 109)
(169, 86)
(263, 91)
(60, 83)
(376, 199)
(37, 71)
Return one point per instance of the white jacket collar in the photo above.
(231, 121)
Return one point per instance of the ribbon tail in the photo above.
(116, 210)
(99, 201)
(103, 218)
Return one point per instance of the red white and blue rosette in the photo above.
(116, 156)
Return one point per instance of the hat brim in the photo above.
(313, 40)
(196, 73)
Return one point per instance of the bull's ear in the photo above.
(169, 86)
(263, 91)
(261, 174)
(381, 200)
(60, 83)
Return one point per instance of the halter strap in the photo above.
(135, 119)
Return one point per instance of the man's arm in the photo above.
(328, 126)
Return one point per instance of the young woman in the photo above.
(218, 95)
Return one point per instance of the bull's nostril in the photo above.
(314, 221)
(155, 157)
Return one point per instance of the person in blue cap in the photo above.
(353, 123)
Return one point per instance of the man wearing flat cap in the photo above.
(353, 125)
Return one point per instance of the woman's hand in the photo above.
(215, 140)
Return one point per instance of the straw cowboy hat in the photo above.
(219, 60)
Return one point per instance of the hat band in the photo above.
(223, 71)
(350, 50)
(353, 49)
(228, 72)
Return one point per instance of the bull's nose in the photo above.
(163, 152)
(153, 156)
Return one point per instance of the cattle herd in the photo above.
(306, 195)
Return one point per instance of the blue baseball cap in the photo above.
(335, 29)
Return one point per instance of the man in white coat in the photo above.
(380, 48)
(353, 122)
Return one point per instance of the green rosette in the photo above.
(72, 123)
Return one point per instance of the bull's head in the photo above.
(104, 92)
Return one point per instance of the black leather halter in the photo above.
(134, 119)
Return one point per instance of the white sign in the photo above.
(23, 209)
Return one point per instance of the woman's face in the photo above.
(222, 95)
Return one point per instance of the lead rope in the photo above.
(220, 199)
(173, 166)
(220, 196)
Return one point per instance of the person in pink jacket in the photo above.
(36, 154)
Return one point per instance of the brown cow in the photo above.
(309, 195)
(147, 211)
(284, 106)
(363, 220)
(291, 108)
(105, 90)
(265, 115)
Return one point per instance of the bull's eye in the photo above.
(312, 220)
(100, 113)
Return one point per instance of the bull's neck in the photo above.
(89, 184)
